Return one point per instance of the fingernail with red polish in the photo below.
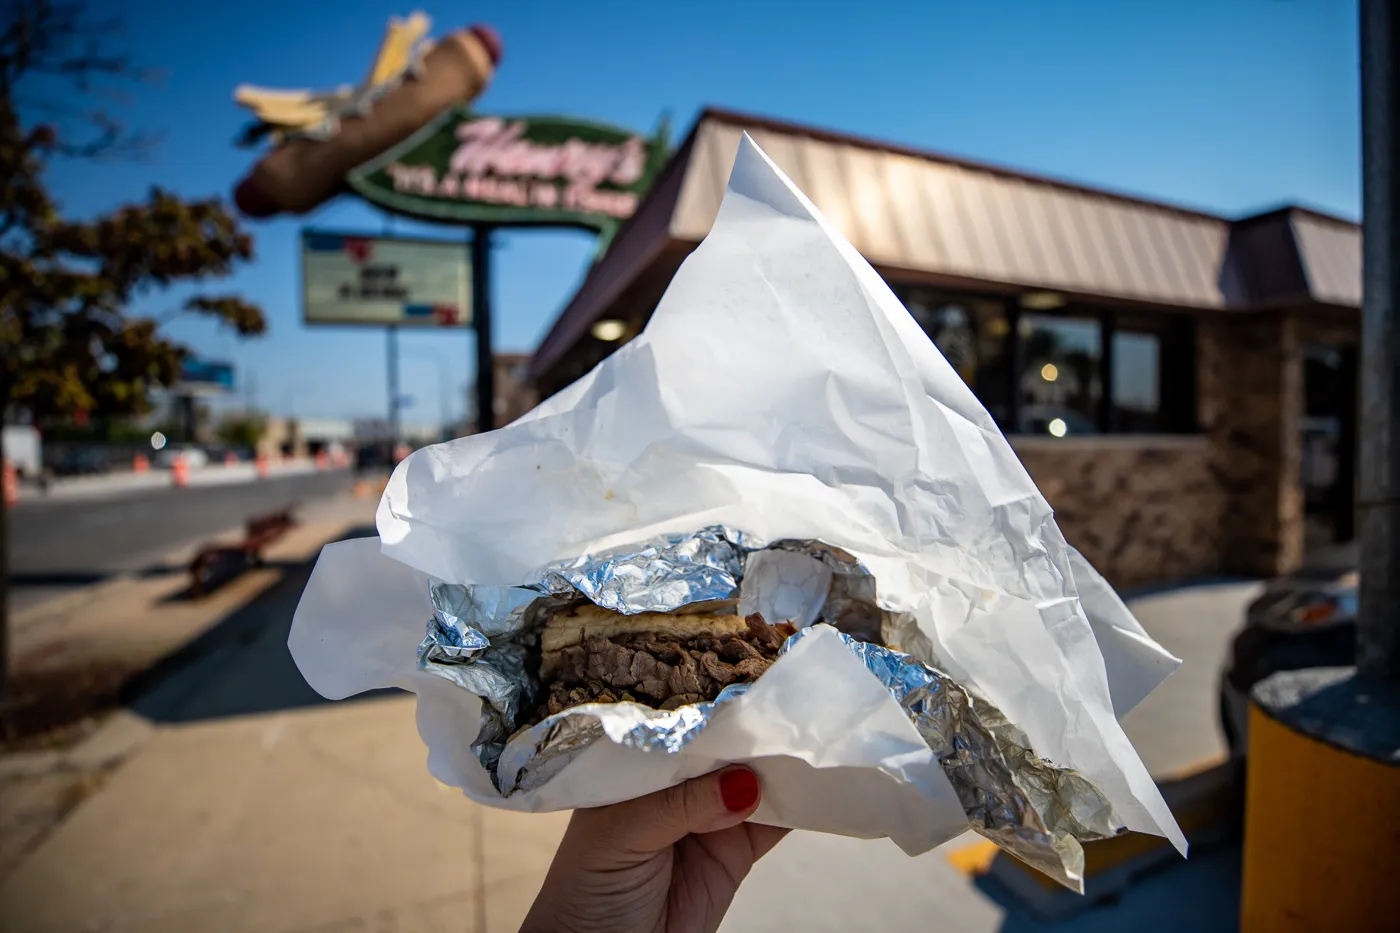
(738, 788)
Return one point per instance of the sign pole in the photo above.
(393, 361)
(1378, 621)
(481, 320)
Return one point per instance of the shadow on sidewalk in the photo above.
(239, 666)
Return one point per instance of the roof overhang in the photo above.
(917, 215)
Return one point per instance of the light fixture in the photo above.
(1057, 427)
(157, 440)
(1042, 301)
(608, 330)
(1049, 372)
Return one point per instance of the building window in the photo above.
(1076, 371)
(1137, 382)
(1060, 382)
(972, 336)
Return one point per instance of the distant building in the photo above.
(367, 430)
(325, 430)
(515, 393)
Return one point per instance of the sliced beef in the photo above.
(659, 670)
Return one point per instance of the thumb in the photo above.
(657, 821)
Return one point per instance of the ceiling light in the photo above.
(1057, 427)
(609, 330)
(1042, 301)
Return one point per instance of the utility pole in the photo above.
(481, 320)
(1378, 620)
(1322, 796)
(392, 348)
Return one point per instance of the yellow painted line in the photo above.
(973, 859)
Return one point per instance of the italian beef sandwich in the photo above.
(660, 659)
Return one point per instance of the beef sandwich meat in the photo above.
(660, 659)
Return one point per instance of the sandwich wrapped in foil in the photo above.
(479, 638)
(956, 663)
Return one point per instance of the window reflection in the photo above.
(1059, 380)
(1050, 376)
(1137, 375)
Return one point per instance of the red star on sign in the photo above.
(446, 314)
(359, 249)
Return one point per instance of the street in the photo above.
(65, 543)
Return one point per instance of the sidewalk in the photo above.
(127, 481)
(75, 657)
(323, 818)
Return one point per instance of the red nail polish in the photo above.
(738, 788)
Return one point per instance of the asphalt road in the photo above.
(62, 544)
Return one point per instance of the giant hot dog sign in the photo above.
(407, 140)
(519, 171)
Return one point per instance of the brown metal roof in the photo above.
(920, 213)
(904, 212)
(1330, 250)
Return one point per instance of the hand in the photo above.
(668, 862)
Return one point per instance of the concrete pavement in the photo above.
(324, 818)
(1176, 729)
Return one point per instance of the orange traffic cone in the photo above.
(140, 463)
(180, 471)
(264, 470)
(323, 459)
(11, 484)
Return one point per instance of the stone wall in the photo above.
(1250, 389)
(1141, 509)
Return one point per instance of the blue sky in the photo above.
(1226, 105)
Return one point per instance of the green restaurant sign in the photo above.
(472, 168)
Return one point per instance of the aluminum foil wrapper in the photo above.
(485, 640)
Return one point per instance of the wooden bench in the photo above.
(216, 564)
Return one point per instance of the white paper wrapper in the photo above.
(780, 389)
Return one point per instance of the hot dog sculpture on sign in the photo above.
(318, 137)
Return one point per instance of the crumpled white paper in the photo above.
(781, 389)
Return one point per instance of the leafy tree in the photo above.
(67, 342)
(242, 430)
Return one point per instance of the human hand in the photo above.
(668, 862)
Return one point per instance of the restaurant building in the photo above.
(1180, 385)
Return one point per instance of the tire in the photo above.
(1234, 743)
